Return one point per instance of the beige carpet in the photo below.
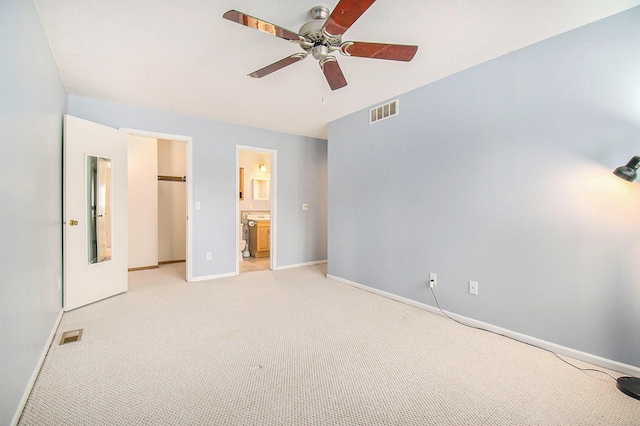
(291, 347)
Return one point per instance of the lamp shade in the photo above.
(626, 173)
(629, 172)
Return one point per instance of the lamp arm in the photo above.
(634, 163)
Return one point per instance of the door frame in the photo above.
(273, 200)
(189, 141)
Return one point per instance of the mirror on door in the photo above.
(98, 209)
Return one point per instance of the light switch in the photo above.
(305, 207)
(197, 205)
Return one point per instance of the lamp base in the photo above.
(630, 386)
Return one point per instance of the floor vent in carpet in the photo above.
(71, 336)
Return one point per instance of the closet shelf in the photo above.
(173, 178)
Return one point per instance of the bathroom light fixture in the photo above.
(630, 171)
(262, 168)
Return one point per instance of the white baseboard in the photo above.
(298, 265)
(560, 350)
(36, 371)
(212, 277)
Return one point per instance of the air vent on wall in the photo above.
(385, 111)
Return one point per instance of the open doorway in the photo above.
(256, 208)
(159, 200)
(172, 201)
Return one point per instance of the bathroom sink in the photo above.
(258, 217)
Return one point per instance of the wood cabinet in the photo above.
(260, 239)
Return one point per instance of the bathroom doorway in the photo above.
(256, 208)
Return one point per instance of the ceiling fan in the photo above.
(323, 36)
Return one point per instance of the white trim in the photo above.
(36, 371)
(213, 277)
(298, 265)
(273, 200)
(189, 141)
(560, 350)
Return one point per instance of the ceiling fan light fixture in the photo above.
(320, 52)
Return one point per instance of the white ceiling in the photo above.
(182, 56)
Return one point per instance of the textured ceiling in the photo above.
(182, 56)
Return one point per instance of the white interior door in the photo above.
(95, 212)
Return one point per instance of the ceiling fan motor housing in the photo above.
(312, 30)
(314, 40)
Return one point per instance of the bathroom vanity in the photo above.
(259, 239)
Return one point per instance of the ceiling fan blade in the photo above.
(333, 73)
(260, 25)
(278, 65)
(394, 52)
(344, 15)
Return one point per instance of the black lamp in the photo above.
(629, 385)
(630, 171)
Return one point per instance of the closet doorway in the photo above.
(159, 193)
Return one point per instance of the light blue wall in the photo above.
(32, 101)
(302, 178)
(501, 174)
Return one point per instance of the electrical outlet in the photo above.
(433, 280)
(473, 287)
(208, 255)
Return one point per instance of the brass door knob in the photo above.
(73, 222)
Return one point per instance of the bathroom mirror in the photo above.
(260, 189)
(98, 209)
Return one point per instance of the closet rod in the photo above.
(173, 178)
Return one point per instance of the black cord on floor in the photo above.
(584, 370)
